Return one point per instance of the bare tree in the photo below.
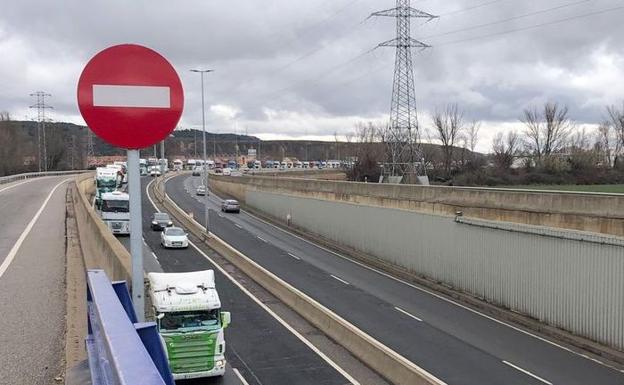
(472, 135)
(369, 151)
(5, 116)
(608, 143)
(505, 148)
(615, 124)
(547, 131)
(448, 125)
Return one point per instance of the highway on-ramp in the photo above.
(32, 280)
(454, 343)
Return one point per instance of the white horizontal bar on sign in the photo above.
(131, 96)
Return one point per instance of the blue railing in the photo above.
(120, 350)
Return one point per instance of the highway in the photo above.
(261, 349)
(32, 280)
(454, 343)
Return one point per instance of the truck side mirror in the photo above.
(226, 318)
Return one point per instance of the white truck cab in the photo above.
(190, 323)
(115, 211)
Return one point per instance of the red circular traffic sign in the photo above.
(130, 96)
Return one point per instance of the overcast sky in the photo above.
(295, 68)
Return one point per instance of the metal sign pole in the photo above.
(136, 233)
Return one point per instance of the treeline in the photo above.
(550, 148)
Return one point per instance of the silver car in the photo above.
(201, 190)
(230, 206)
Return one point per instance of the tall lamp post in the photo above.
(204, 167)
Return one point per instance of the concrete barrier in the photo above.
(593, 212)
(100, 248)
(391, 365)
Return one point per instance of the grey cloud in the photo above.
(252, 45)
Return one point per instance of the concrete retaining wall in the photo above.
(100, 248)
(600, 213)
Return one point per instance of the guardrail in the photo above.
(121, 351)
(385, 361)
(29, 175)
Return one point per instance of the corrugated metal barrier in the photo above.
(569, 279)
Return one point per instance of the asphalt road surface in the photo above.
(262, 350)
(32, 281)
(452, 342)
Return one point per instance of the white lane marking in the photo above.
(154, 255)
(278, 318)
(294, 256)
(145, 243)
(240, 376)
(237, 225)
(9, 258)
(341, 280)
(262, 239)
(16, 184)
(149, 197)
(346, 375)
(407, 314)
(131, 96)
(399, 280)
(527, 372)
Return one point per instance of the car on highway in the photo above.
(227, 171)
(197, 170)
(201, 190)
(161, 221)
(230, 206)
(174, 237)
(155, 171)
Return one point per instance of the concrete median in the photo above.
(394, 367)
(100, 248)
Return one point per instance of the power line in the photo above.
(323, 20)
(349, 31)
(462, 10)
(315, 50)
(322, 75)
(559, 21)
(547, 10)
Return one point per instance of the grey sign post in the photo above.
(136, 233)
(131, 108)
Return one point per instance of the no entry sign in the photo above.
(130, 96)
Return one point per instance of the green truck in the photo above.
(190, 322)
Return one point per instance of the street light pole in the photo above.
(204, 167)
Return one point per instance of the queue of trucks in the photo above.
(112, 204)
(186, 305)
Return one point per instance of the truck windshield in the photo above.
(189, 319)
(107, 182)
(116, 206)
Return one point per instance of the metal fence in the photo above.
(120, 350)
(569, 279)
(29, 175)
